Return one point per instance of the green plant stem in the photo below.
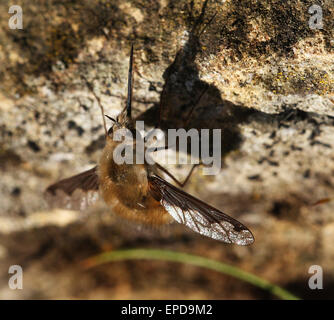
(173, 256)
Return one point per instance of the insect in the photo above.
(138, 193)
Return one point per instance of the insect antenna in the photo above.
(130, 85)
(208, 23)
(110, 118)
(90, 87)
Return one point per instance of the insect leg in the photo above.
(194, 106)
(90, 87)
(181, 184)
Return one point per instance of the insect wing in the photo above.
(197, 215)
(74, 193)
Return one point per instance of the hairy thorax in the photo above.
(125, 188)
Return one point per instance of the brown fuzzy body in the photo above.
(125, 189)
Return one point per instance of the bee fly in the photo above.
(137, 192)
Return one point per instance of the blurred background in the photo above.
(267, 74)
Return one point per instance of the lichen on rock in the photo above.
(255, 69)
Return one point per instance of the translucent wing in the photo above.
(75, 193)
(197, 215)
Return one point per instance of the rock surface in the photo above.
(267, 81)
